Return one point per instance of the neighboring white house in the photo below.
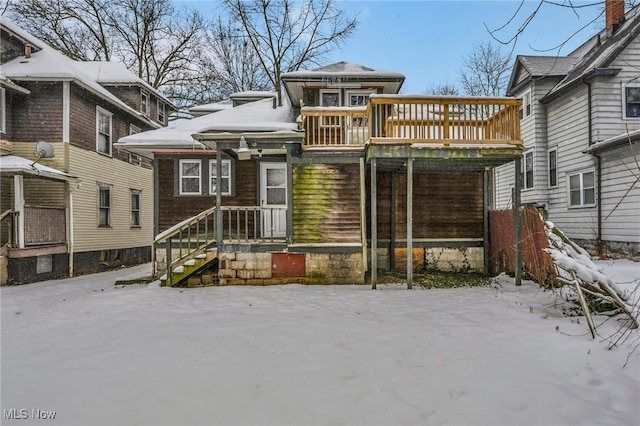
(580, 122)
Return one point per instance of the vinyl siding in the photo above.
(93, 168)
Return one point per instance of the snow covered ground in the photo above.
(317, 355)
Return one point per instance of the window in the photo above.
(190, 177)
(525, 108)
(3, 111)
(225, 177)
(103, 131)
(161, 111)
(144, 102)
(104, 205)
(526, 170)
(359, 98)
(133, 129)
(553, 167)
(631, 99)
(582, 191)
(135, 209)
(330, 98)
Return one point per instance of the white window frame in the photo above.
(212, 177)
(625, 110)
(552, 172)
(133, 129)
(580, 174)
(183, 177)
(136, 216)
(99, 132)
(360, 92)
(108, 208)
(3, 110)
(144, 102)
(526, 108)
(523, 169)
(330, 121)
(162, 111)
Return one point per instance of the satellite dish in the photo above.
(43, 150)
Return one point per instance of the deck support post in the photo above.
(219, 230)
(409, 223)
(392, 224)
(485, 215)
(374, 226)
(517, 220)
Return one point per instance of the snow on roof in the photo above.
(253, 94)
(623, 138)
(112, 72)
(4, 81)
(343, 69)
(209, 108)
(258, 116)
(14, 164)
(50, 64)
(13, 28)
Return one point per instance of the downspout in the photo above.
(598, 242)
(70, 231)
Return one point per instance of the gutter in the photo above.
(598, 242)
(596, 72)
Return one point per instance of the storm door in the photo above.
(273, 193)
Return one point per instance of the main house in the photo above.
(580, 122)
(340, 179)
(70, 202)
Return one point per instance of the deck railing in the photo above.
(191, 236)
(415, 119)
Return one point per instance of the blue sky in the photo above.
(426, 40)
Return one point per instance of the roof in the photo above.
(49, 64)
(253, 117)
(115, 73)
(342, 69)
(199, 110)
(622, 139)
(13, 164)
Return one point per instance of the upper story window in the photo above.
(582, 189)
(525, 108)
(553, 166)
(3, 111)
(631, 101)
(144, 102)
(103, 131)
(526, 170)
(330, 98)
(190, 177)
(225, 177)
(161, 111)
(359, 98)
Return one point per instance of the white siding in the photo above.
(504, 178)
(93, 168)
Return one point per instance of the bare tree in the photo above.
(232, 63)
(485, 70)
(444, 89)
(151, 37)
(288, 34)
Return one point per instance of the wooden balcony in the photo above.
(398, 119)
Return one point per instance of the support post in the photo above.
(18, 206)
(392, 224)
(363, 213)
(485, 215)
(374, 226)
(517, 220)
(409, 223)
(219, 230)
(289, 213)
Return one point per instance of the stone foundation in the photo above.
(466, 259)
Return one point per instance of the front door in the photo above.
(273, 193)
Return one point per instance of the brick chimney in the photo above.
(614, 13)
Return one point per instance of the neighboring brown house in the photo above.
(341, 180)
(89, 207)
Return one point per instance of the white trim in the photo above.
(66, 110)
(103, 111)
(3, 110)
(147, 107)
(623, 99)
(136, 192)
(523, 169)
(180, 176)
(549, 151)
(527, 108)
(359, 92)
(109, 208)
(161, 106)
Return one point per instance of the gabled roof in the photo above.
(257, 117)
(48, 64)
(341, 75)
(591, 58)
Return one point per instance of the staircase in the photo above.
(194, 271)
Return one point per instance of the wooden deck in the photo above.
(398, 119)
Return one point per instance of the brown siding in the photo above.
(132, 97)
(10, 47)
(173, 208)
(445, 205)
(326, 203)
(38, 116)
